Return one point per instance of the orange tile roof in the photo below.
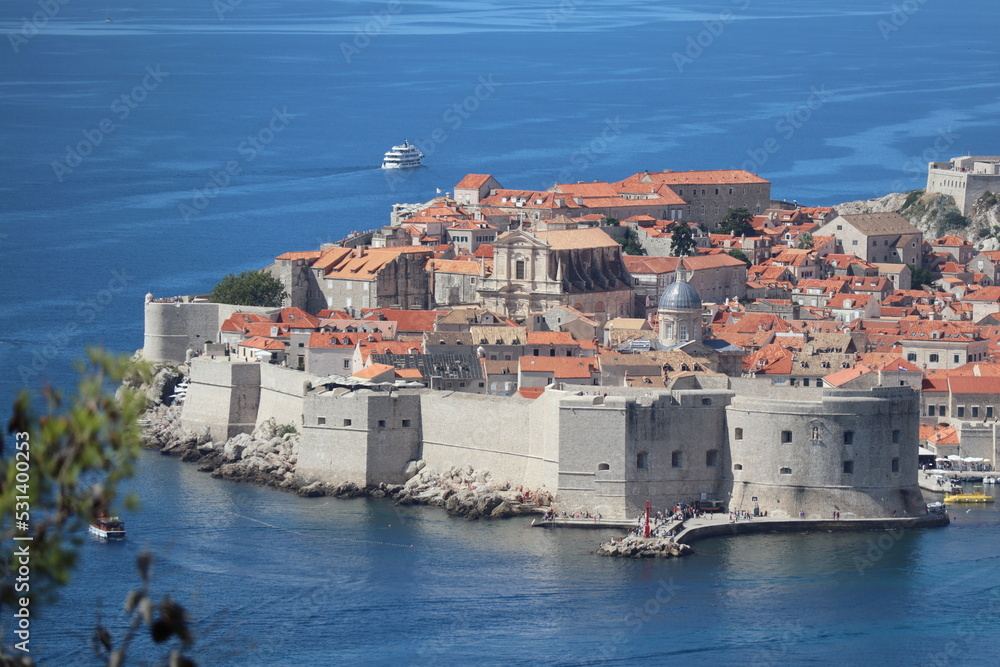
(340, 339)
(409, 373)
(408, 321)
(372, 371)
(572, 239)
(473, 181)
(262, 343)
(969, 384)
(238, 321)
(562, 368)
(454, 266)
(530, 392)
(550, 338)
(711, 177)
(841, 378)
(306, 254)
(296, 318)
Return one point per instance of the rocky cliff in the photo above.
(936, 215)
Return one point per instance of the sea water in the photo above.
(185, 140)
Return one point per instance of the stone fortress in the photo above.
(749, 442)
(965, 178)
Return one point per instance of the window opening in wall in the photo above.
(603, 466)
(321, 420)
(677, 459)
(712, 458)
(848, 467)
(895, 435)
(737, 466)
(786, 437)
(785, 471)
(738, 435)
(642, 461)
(848, 437)
(406, 423)
(895, 465)
(347, 422)
(381, 423)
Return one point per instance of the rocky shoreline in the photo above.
(267, 457)
(633, 546)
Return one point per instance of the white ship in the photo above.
(402, 157)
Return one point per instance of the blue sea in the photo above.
(187, 139)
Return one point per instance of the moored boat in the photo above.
(108, 528)
(977, 496)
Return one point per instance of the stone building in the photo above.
(351, 279)
(581, 268)
(965, 178)
(876, 237)
(680, 311)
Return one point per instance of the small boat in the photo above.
(989, 480)
(936, 508)
(108, 528)
(406, 156)
(977, 496)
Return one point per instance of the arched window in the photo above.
(603, 466)
(737, 466)
(785, 471)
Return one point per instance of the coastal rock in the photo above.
(313, 490)
(634, 546)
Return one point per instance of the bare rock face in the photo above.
(633, 546)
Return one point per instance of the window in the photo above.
(320, 420)
(738, 435)
(943, 410)
(482, 384)
(895, 436)
(381, 423)
(642, 461)
(347, 363)
(519, 270)
(931, 410)
(895, 465)
(961, 411)
(712, 458)
(911, 356)
(848, 467)
(347, 422)
(975, 411)
(989, 412)
(677, 459)
(786, 436)
(956, 359)
(805, 383)
(854, 242)
(737, 466)
(406, 423)
(706, 401)
(785, 471)
(848, 437)
(603, 466)
(933, 358)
